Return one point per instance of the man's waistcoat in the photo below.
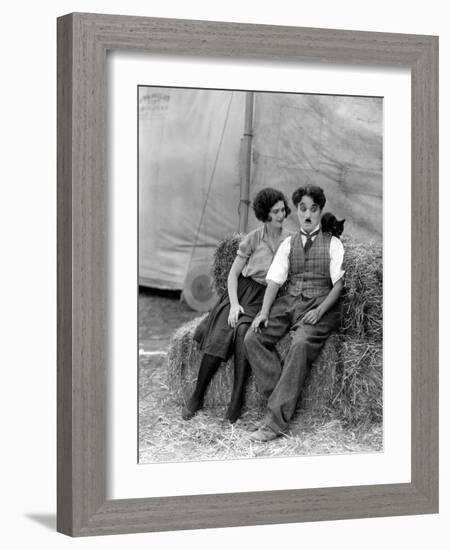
(309, 275)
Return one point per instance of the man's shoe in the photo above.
(264, 434)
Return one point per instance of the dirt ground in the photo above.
(165, 437)
(161, 312)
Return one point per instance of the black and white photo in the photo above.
(232, 182)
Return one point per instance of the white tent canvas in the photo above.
(191, 168)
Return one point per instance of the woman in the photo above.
(223, 331)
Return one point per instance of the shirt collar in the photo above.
(284, 234)
(304, 234)
(284, 231)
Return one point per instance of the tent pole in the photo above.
(247, 159)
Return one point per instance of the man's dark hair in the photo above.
(313, 191)
(265, 199)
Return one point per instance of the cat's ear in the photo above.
(342, 221)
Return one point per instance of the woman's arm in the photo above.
(314, 315)
(276, 277)
(232, 283)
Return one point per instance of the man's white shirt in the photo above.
(279, 269)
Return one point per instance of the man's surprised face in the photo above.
(308, 213)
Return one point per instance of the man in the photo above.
(311, 262)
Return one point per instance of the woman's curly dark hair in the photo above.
(313, 191)
(265, 199)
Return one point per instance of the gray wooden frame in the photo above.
(83, 40)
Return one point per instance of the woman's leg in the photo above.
(241, 373)
(208, 368)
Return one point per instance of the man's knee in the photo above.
(241, 331)
(250, 340)
(299, 339)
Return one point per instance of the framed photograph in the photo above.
(171, 135)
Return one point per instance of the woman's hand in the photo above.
(260, 319)
(233, 316)
(312, 316)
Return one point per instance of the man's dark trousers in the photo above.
(282, 385)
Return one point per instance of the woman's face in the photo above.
(277, 214)
(308, 213)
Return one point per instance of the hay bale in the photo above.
(183, 364)
(362, 300)
(346, 380)
(358, 392)
(224, 256)
(347, 384)
(184, 361)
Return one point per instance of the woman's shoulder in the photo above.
(256, 235)
(249, 242)
(257, 232)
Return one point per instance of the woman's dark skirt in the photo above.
(213, 334)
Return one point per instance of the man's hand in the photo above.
(260, 320)
(233, 316)
(312, 316)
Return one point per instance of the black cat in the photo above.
(330, 224)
